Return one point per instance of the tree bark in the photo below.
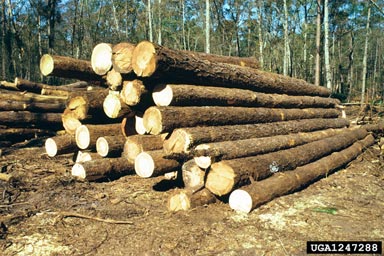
(192, 95)
(206, 154)
(101, 58)
(182, 140)
(110, 146)
(30, 119)
(60, 144)
(136, 144)
(185, 199)
(149, 59)
(249, 62)
(101, 168)
(20, 134)
(87, 135)
(67, 67)
(247, 198)
(121, 57)
(226, 175)
(153, 163)
(164, 119)
(10, 105)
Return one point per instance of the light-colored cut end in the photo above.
(162, 95)
(220, 179)
(101, 59)
(139, 125)
(83, 137)
(144, 165)
(51, 147)
(203, 161)
(144, 59)
(132, 92)
(46, 64)
(152, 121)
(102, 146)
(179, 202)
(112, 105)
(178, 142)
(240, 201)
(78, 171)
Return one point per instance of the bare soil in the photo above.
(44, 211)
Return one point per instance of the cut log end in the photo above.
(131, 92)
(51, 147)
(112, 106)
(179, 202)
(139, 125)
(152, 121)
(203, 161)
(101, 59)
(240, 201)
(82, 137)
(78, 171)
(46, 64)
(144, 165)
(102, 146)
(220, 179)
(144, 59)
(177, 143)
(162, 95)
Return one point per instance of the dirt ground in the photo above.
(44, 211)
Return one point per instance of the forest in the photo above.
(337, 44)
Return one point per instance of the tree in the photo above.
(207, 27)
(364, 75)
(318, 40)
(328, 75)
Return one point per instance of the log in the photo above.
(114, 107)
(29, 97)
(134, 92)
(30, 119)
(85, 156)
(153, 163)
(101, 58)
(135, 144)
(153, 60)
(206, 154)
(193, 175)
(139, 124)
(70, 121)
(121, 57)
(250, 62)
(110, 146)
(226, 175)
(182, 140)
(26, 85)
(67, 67)
(192, 95)
(114, 80)
(164, 119)
(247, 198)
(184, 199)
(60, 144)
(128, 126)
(101, 168)
(11, 105)
(87, 135)
(20, 134)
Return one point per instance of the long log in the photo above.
(67, 67)
(153, 60)
(206, 154)
(87, 135)
(20, 134)
(60, 144)
(29, 97)
(193, 175)
(164, 119)
(250, 62)
(30, 119)
(182, 140)
(135, 144)
(192, 95)
(101, 168)
(153, 163)
(110, 146)
(184, 199)
(121, 57)
(247, 198)
(226, 175)
(101, 58)
(9, 105)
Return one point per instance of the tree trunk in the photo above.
(67, 67)
(318, 40)
(183, 140)
(101, 58)
(136, 144)
(60, 144)
(328, 73)
(186, 199)
(100, 168)
(206, 154)
(287, 53)
(164, 119)
(87, 135)
(224, 176)
(364, 76)
(110, 146)
(121, 57)
(247, 198)
(192, 95)
(149, 59)
(207, 27)
(153, 163)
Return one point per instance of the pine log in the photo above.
(101, 58)
(20, 134)
(121, 57)
(87, 135)
(193, 175)
(110, 146)
(60, 144)
(247, 198)
(250, 62)
(114, 107)
(101, 168)
(226, 175)
(153, 60)
(153, 163)
(70, 121)
(135, 144)
(29, 97)
(164, 119)
(192, 95)
(30, 119)
(206, 154)
(182, 140)
(26, 85)
(114, 80)
(87, 103)
(67, 67)
(9, 105)
(184, 199)
(135, 92)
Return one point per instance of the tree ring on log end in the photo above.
(101, 58)
(240, 201)
(144, 165)
(46, 64)
(162, 95)
(144, 59)
(82, 137)
(178, 202)
(51, 147)
(220, 179)
(78, 171)
(139, 125)
(152, 121)
(102, 146)
(112, 105)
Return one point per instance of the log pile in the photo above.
(228, 129)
